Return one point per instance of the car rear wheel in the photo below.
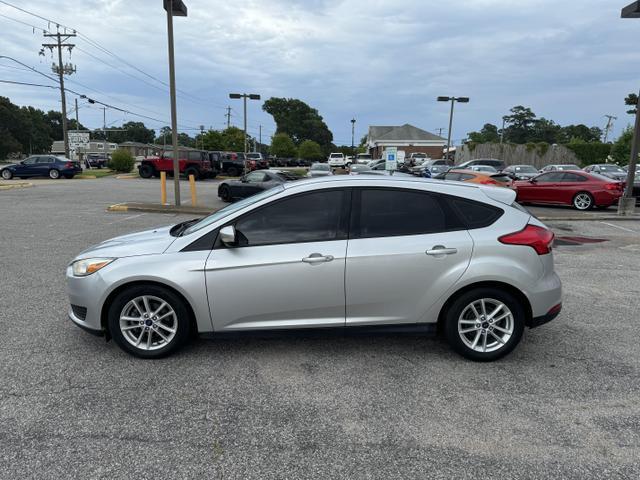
(146, 171)
(232, 172)
(583, 201)
(192, 171)
(53, 173)
(149, 321)
(484, 324)
(7, 174)
(224, 192)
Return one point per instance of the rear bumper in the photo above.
(551, 315)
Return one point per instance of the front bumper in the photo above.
(86, 293)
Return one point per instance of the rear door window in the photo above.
(473, 214)
(386, 212)
(573, 177)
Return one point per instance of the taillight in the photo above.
(538, 238)
(613, 186)
(488, 181)
(69, 165)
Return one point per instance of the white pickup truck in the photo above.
(338, 160)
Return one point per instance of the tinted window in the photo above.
(30, 160)
(195, 156)
(466, 176)
(550, 177)
(474, 214)
(45, 160)
(393, 212)
(573, 177)
(311, 217)
(452, 176)
(255, 177)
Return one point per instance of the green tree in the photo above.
(621, 149)
(234, 139)
(488, 134)
(580, 132)
(137, 132)
(211, 140)
(299, 121)
(310, 150)
(282, 146)
(631, 100)
(544, 130)
(519, 125)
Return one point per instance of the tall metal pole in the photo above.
(453, 101)
(627, 204)
(77, 129)
(245, 123)
(353, 129)
(260, 138)
(228, 115)
(174, 115)
(502, 131)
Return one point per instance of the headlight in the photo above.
(82, 268)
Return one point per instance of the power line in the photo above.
(29, 84)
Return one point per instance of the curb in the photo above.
(158, 208)
(126, 176)
(5, 186)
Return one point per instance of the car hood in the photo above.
(11, 165)
(149, 242)
(615, 175)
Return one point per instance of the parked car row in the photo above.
(51, 166)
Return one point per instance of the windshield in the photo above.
(232, 208)
(568, 167)
(320, 166)
(526, 169)
(336, 155)
(611, 168)
(253, 155)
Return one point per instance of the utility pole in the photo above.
(104, 123)
(228, 115)
(61, 69)
(607, 129)
(353, 131)
(202, 137)
(440, 130)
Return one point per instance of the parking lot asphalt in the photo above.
(564, 404)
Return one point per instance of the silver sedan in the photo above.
(336, 252)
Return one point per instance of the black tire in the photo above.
(233, 172)
(192, 171)
(69, 176)
(224, 192)
(7, 174)
(54, 174)
(583, 201)
(146, 170)
(213, 174)
(182, 315)
(460, 304)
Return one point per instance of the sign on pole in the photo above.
(391, 158)
(78, 142)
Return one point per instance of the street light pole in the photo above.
(245, 96)
(453, 100)
(353, 130)
(174, 8)
(627, 204)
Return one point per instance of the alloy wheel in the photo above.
(54, 174)
(582, 201)
(485, 325)
(148, 322)
(6, 174)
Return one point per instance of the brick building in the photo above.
(408, 138)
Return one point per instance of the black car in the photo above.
(499, 165)
(252, 183)
(610, 170)
(42, 166)
(521, 172)
(96, 160)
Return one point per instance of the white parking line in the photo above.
(621, 228)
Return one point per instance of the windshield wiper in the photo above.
(179, 229)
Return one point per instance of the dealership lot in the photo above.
(565, 404)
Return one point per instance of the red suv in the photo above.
(580, 189)
(191, 162)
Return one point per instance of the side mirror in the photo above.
(533, 180)
(243, 179)
(228, 235)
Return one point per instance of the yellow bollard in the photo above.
(163, 188)
(192, 186)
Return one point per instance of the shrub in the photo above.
(590, 152)
(121, 161)
(310, 150)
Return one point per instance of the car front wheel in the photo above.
(149, 321)
(484, 324)
(7, 174)
(224, 192)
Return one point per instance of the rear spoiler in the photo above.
(500, 194)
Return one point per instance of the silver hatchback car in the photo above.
(345, 251)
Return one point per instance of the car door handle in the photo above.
(317, 258)
(441, 250)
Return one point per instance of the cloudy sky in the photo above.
(382, 62)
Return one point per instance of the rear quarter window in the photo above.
(474, 214)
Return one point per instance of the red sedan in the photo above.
(582, 190)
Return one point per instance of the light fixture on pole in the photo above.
(627, 204)
(174, 8)
(244, 96)
(453, 100)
